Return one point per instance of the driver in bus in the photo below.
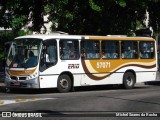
(19, 58)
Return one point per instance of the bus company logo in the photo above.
(73, 66)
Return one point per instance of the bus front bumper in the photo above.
(32, 83)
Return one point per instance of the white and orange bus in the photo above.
(67, 61)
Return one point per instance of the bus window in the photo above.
(69, 49)
(49, 54)
(110, 49)
(129, 49)
(147, 50)
(90, 49)
(6, 50)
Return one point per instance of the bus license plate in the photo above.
(16, 83)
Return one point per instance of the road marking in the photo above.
(20, 100)
(1, 102)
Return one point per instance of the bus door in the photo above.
(48, 61)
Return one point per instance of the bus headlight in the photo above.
(32, 76)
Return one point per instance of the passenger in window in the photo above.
(129, 53)
(46, 55)
(144, 51)
(132, 53)
(152, 50)
(61, 52)
(91, 50)
(32, 61)
(72, 54)
(122, 55)
(47, 58)
(103, 55)
(83, 53)
(115, 55)
(65, 52)
(51, 54)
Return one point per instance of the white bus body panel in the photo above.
(142, 75)
(49, 77)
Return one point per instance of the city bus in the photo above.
(68, 61)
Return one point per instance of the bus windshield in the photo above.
(24, 53)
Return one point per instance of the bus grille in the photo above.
(21, 85)
(18, 78)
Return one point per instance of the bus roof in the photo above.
(50, 36)
(64, 36)
(117, 38)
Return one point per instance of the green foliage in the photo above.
(94, 6)
(99, 17)
(17, 22)
(121, 3)
(6, 36)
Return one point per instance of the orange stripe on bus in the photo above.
(90, 67)
(21, 72)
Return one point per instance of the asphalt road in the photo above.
(89, 103)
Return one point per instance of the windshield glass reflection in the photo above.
(24, 53)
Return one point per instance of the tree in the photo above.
(153, 9)
(16, 14)
(98, 17)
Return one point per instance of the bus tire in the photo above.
(128, 80)
(64, 83)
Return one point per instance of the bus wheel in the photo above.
(64, 83)
(128, 80)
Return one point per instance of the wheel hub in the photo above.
(64, 83)
(129, 81)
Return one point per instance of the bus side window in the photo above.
(83, 50)
(129, 49)
(147, 50)
(49, 54)
(90, 49)
(69, 49)
(110, 49)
